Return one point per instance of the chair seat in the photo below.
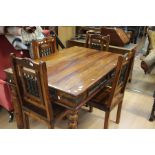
(58, 111)
(100, 101)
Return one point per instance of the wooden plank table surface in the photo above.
(75, 69)
(131, 47)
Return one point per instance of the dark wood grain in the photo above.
(114, 49)
(76, 69)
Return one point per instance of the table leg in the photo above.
(73, 119)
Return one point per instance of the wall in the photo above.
(65, 33)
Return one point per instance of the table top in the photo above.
(74, 70)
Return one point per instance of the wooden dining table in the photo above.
(75, 75)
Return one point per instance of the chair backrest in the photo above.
(97, 41)
(120, 78)
(32, 85)
(44, 47)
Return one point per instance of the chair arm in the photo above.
(148, 61)
(150, 58)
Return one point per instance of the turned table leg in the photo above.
(73, 119)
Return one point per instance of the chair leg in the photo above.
(152, 116)
(50, 126)
(106, 121)
(119, 112)
(26, 121)
(90, 109)
(86, 105)
(11, 116)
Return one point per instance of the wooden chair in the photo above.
(44, 47)
(32, 89)
(97, 41)
(112, 95)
